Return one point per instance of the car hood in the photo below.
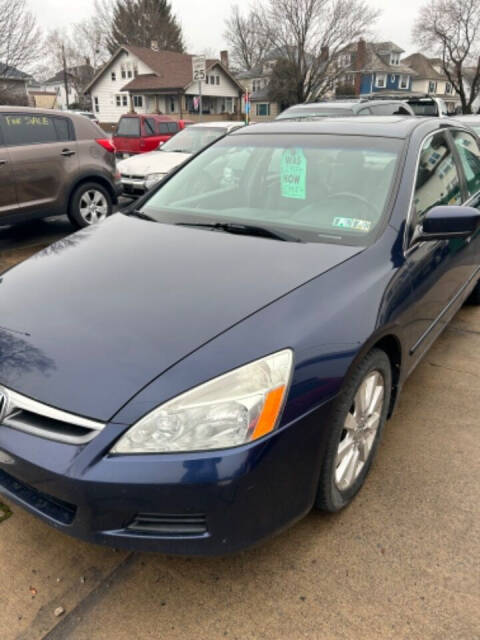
(152, 162)
(88, 322)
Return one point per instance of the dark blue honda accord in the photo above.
(198, 374)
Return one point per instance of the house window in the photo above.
(346, 60)
(137, 101)
(114, 76)
(206, 79)
(394, 59)
(95, 104)
(432, 86)
(448, 88)
(262, 109)
(129, 73)
(217, 78)
(381, 80)
(118, 100)
(124, 73)
(212, 79)
(125, 101)
(404, 82)
(172, 105)
(135, 70)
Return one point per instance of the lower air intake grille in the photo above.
(62, 512)
(169, 525)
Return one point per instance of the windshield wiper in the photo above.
(143, 216)
(242, 229)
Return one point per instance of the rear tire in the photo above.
(357, 421)
(90, 204)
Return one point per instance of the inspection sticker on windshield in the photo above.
(293, 174)
(352, 223)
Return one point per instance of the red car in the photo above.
(137, 133)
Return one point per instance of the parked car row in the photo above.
(141, 172)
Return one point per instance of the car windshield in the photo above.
(313, 112)
(192, 139)
(313, 188)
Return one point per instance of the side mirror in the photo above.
(446, 222)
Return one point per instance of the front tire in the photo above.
(90, 204)
(357, 421)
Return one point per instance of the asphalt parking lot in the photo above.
(403, 561)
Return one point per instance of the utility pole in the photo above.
(65, 76)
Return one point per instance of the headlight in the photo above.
(228, 411)
(152, 179)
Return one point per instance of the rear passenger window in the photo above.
(469, 153)
(163, 128)
(62, 129)
(172, 127)
(438, 181)
(24, 129)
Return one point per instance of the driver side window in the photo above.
(438, 181)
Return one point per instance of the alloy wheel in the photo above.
(359, 430)
(93, 206)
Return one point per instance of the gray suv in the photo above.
(55, 162)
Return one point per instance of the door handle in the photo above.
(67, 153)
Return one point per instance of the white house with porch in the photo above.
(150, 81)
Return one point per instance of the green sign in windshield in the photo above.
(293, 174)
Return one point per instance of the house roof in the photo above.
(260, 95)
(12, 73)
(423, 66)
(374, 62)
(171, 70)
(72, 72)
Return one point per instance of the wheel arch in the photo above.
(390, 343)
(95, 178)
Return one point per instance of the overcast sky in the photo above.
(203, 21)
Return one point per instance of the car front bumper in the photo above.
(208, 503)
(133, 186)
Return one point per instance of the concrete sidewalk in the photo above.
(403, 561)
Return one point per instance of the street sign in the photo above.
(199, 68)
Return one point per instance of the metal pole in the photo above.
(65, 76)
(200, 106)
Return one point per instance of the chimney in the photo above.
(324, 54)
(360, 63)
(224, 58)
(154, 45)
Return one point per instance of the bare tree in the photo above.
(88, 39)
(451, 30)
(19, 35)
(247, 41)
(307, 37)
